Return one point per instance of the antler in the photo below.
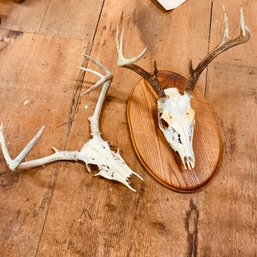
(224, 45)
(96, 151)
(105, 81)
(151, 78)
(17, 162)
(13, 164)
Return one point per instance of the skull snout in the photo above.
(186, 152)
(188, 162)
(176, 121)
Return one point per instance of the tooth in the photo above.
(184, 163)
(190, 165)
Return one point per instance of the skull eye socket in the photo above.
(164, 120)
(164, 123)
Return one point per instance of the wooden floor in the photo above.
(61, 209)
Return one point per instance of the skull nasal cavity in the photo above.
(164, 124)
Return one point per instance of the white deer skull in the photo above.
(176, 118)
(94, 152)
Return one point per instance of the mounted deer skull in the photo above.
(176, 118)
(96, 151)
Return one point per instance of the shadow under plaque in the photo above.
(153, 149)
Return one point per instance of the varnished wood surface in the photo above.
(152, 148)
(61, 209)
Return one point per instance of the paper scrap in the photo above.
(171, 4)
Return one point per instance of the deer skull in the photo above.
(110, 164)
(176, 120)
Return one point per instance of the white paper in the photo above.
(171, 4)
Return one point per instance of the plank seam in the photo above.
(76, 96)
(208, 51)
(234, 64)
(44, 17)
(73, 109)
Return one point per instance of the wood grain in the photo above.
(101, 218)
(152, 147)
(43, 81)
(75, 19)
(41, 71)
(229, 207)
(235, 192)
(61, 209)
(26, 17)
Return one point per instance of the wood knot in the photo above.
(191, 224)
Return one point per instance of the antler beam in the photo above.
(224, 45)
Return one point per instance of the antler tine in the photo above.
(225, 44)
(13, 164)
(122, 61)
(244, 30)
(103, 79)
(129, 64)
(97, 63)
(226, 28)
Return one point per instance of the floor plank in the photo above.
(39, 84)
(76, 20)
(61, 209)
(228, 216)
(229, 205)
(26, 17)
(37, 79)
(100, 218)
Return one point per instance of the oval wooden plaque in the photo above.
(154, 151)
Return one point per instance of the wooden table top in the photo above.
(61, 209)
